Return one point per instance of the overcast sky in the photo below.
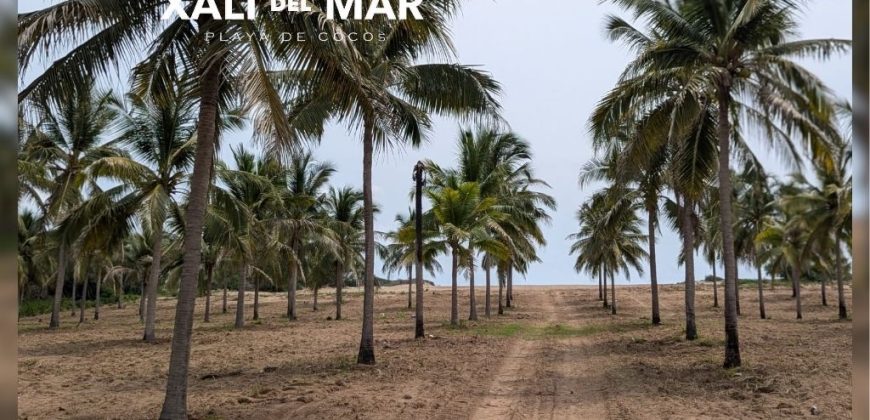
(554, 64)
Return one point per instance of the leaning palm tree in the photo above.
(722, 49)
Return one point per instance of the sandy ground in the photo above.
(557, 354)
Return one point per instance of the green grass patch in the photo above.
(532, 332)
(33, 307)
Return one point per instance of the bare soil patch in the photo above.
(557, 354)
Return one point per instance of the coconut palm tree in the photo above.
(67, 141)
(104, 34)
(344, 211)
(392, 99)
(755, 204)
(466, 221)
(827, 209)
(721, 48)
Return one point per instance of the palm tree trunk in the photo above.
(339, 284)
(472, 315)
(153, 280)
(418, 248)
(256, 298)
(454, 303)
(224, 306)
(500, 292)
(510, 284)
(796, 283)
(726, 221)
(84, 298)
(208, 281)
(121, 291)
(600, 289)
(737, 288)
(97, 296)
(366, 354)
(715, 287)
(410, 280)
(142, 298)
(601, 275)
(760, 292)
(58, 287)
(240, 297)
(291, 291)
(612, 294)
(654, 284)
(841, 299)
(488, 304)
(689, 260)
(175, 402)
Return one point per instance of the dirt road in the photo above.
(547, 378)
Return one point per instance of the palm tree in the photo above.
(466, 221)
(160, 134)
(390, 98)
(785, 239)
(67, 141)
(610, 232)
(755, 205)
(115, 29)
(301, 188)
(723, 47)
(343, 207)
(827, 209)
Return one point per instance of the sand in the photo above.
(557, 354)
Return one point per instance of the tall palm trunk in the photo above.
(151, 292)
(292, 284)
(796, 283)
(841, 299)
(600, 289)
(454, 296)
(418, 251)
(472, 314)
(612, 294)
(654, 284)
(604, 277)
(366, 353)
(209, 274)
(97, 296)
(488, 304)
(726, 222)
(240, 297)
(500, 292)
(510, 284)
(737, 288)
(760, 291)
(121, 291)
(175, 402)
(339, 283)
(224, 306)
(689, 260)
(84, 298)
(256, 298)
(715, 287)
(58, 287)
(410, 280)
(142, 298)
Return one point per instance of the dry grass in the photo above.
(558, 353)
